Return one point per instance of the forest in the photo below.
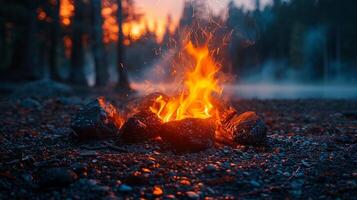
(84, 42)
(109, 99)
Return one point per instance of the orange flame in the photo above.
(112, 112)
(200, 83)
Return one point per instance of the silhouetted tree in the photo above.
(123, 82)
(77, 75)
(100, 61)
(54, 40)
(23, 61)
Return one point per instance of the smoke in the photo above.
(156, 77)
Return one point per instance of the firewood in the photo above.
(97, 120)
(140, 127)
(245, 129)
(189, 135)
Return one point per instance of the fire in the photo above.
(112, 112)
(200, 83)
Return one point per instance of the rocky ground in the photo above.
(310, 153)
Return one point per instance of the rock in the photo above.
(97, 120)
(192, 195)
(189, 135)
(30, 103)
(305, 163)
(100, 188)
(350, 115)
(56, 177)
(135, 179)
(245, 129)
(27, 178)
(70, 100)
(345, 139)
(79, 167)
(287, 174)
(296, 187)
(211, 168)
(254, 183)
(140, 127)
(125, 188)
(42, 89)
(111, 197)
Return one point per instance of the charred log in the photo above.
(246, 129)
(189, 135)
(140, 127)
(144, 103)
(97, 120)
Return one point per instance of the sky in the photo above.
(159, 9)
(156, 11)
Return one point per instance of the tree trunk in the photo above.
(29, 64)
(77, 58)
(338, 51)
(55, 29)
(100, 62)
(325, 61)
(3, 46)
(23, 61)
(123, 82)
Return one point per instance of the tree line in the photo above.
(303, 40)
(31, 36)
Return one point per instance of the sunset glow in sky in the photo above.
(156, 11)
(155, 15)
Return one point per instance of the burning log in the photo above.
(97, 120)
(147, 101)
(246, 129)
(189, 135)
(140, 127)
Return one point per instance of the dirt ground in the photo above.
(310, 154)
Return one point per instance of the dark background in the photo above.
(298, 41)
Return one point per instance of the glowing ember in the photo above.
(200, 83)
(111, 112)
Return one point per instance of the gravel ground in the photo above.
(310, 153)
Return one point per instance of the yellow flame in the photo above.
(199, 85)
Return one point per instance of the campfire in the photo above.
(193, 119)
(200, 84)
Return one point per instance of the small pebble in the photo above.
(254, 183)
(192, 195)
(211, 168)
(125, 188)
